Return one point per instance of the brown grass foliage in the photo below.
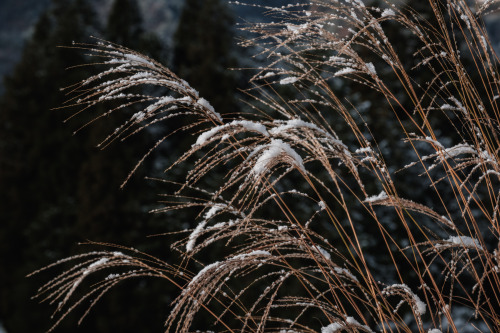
(285, 268)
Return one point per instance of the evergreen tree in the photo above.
(125, 27)
(39, 164)
(109, 214)
(105, 212)
(203, 51)
(58, 190)
(124, 24)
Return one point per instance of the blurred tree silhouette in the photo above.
(202, 55)
(58, 190)
(39, 165)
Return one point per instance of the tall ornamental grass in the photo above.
(307, 222)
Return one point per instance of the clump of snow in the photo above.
(381, 196)
(332, 328)
(465, 18)
(294, 123)
(419, 307)
(254, 253)
(448, 107)
(99, 262)
(274, 150)
(112, 276)
(252, 126)
(435, 142)
(344, 71)
(466, 241)
(203, 102)
(139, 116)
(213, 210)
(140, 75)
(460, 149)
(346, 272)
(352, 321)
(289, 80)
(434, 330)
(162, 101)
(371, 68)
(322, 205)
(216, 264)
(136, 58)
(194, 236)
(365, 150)
(199, 228)
(203, 137)
(295, 29)
(299, 123)
(248, 125)
(322, 251)
(388, 12)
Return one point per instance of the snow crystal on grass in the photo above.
(465, 18)
(112, 276)
(434, 330)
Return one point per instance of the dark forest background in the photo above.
(57, 187)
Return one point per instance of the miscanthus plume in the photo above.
(307, 190)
